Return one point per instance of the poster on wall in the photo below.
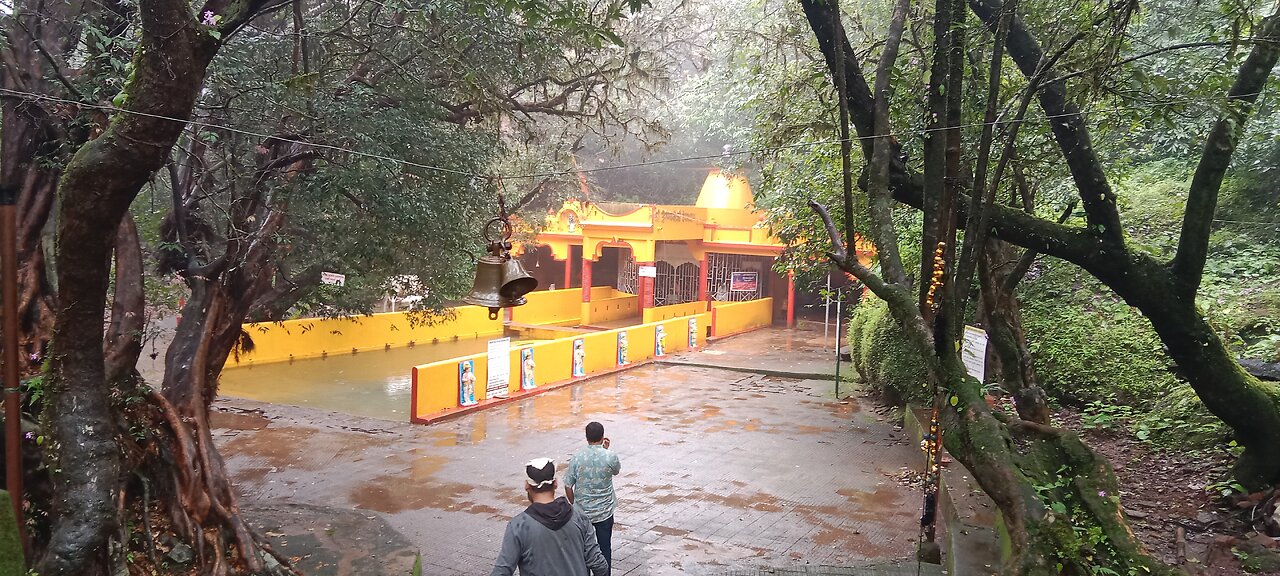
(744, 281)
(467, 383)
(693, 332)
(622, 348)
(526, 370)
(660, 341)
(579, 358)
(499, 368)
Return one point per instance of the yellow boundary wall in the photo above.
(673, 311)
(730, 318)
(617, 307)
(316, 337)
(435, 385)
(560, 307)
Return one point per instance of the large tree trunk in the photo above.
(1250, 406)
(198, 492)
(98, 185)
(1003, 322)
(33, 136)
(193, 480)
(1050, 488)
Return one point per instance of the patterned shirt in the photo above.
(590, 474)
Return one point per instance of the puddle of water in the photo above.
(372, 384)
(390, 494)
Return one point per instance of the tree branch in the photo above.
(1068, 128)
(1197, 222)
(881, 229)
(839, 255)
(1029, 257)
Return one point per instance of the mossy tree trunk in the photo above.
(96, 188)
(1058, 498)
(1003, 322)
(1163, 291)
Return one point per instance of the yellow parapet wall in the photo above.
(316, 337)
(617, 307)
(734, 317)
(436, 385)
(673, 311)
(561, 307)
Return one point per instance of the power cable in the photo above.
(568, 172)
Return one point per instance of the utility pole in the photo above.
(12, 398)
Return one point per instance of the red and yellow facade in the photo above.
(666, 255)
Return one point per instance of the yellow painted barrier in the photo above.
(552, 307)
(613, 308)
(316, 337)
(436, 385)
(673, 311)
(735, 317)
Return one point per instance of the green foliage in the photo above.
(882, 355)
(1225, 488)
(1099, 415)
(1088, 346)
(10, 544)
(1179, 420)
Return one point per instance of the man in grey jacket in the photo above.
(549, 538)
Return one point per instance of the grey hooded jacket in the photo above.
(550, 540)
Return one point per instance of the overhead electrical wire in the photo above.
(569, 172)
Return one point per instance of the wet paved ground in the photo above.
(723, 472)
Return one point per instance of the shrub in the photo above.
(882, 354)
(1088, 346)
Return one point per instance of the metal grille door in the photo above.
(627, 276)
(721, 268)
(685, 286)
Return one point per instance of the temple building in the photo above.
(718, 249)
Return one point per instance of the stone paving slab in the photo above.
(721, 471)
(793, 353)
(896, 568)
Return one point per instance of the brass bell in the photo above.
(484, 291)
(516, 282)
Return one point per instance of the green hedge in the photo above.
(882, 355)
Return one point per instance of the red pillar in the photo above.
(644, 285)
(791, 299)
(568, 270)
(703, 279)
(586, 278)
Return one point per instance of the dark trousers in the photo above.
(604, 535)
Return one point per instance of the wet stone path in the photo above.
(724, 472)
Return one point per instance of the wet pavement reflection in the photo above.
(373, 384)
(721, 470)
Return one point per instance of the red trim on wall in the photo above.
(413, 397)
(703, 271)
(791, 299)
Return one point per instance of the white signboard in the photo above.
(647, 272)
(974, 352)
(333, 278)
(499, 368)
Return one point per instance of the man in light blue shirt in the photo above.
(588, 484)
